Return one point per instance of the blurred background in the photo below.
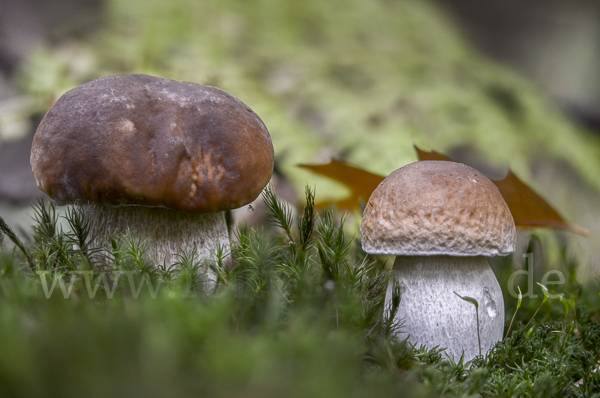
(496, 85)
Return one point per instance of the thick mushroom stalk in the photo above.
(166, 234)
(432, 314)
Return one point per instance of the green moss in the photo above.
(300, 313)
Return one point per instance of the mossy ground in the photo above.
(300, 313)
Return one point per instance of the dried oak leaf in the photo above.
(527, 207)
(360, 182)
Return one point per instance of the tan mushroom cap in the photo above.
(437, 208)
(144, 140)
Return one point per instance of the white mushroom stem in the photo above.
(431, 313)
(167, 233)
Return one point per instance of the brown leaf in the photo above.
(432, 155)
(360, 182)
(527, 207)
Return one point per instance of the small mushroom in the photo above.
(440, 219)
(159, 158)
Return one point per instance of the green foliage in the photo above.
(10, 234)
(476, 305)
(364, 78)
(297, 313)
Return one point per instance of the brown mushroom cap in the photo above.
(144, 140)
(437, 208)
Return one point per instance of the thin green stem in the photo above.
(478, 337)
(520, 300)
(510, 325)
(476, 304)
(534, 314)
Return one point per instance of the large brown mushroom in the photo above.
(160, 158)
(440, 220)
